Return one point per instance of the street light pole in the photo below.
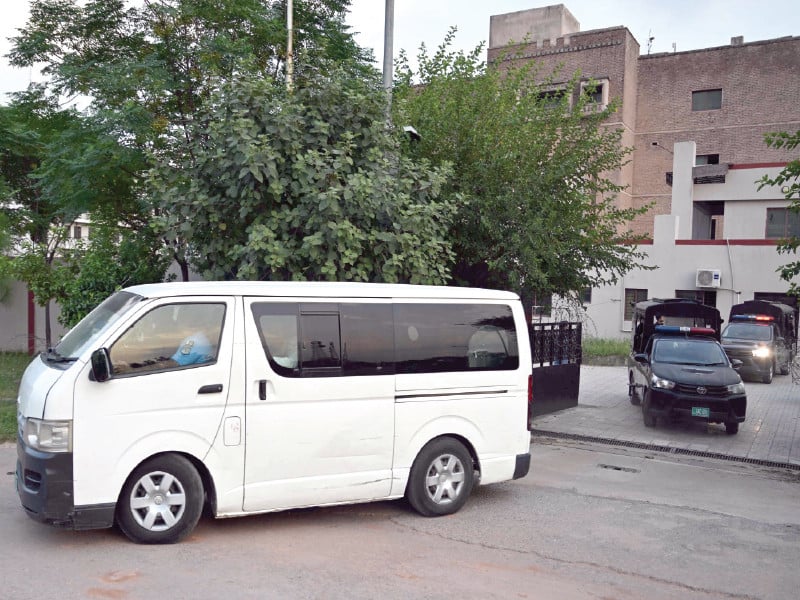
(388, 53)
(289, 43)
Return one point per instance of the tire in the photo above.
(647, 415)
(632, 393)
(731, 428)
(441, 478)
(767, 377)
(785, 367)
(161, 501)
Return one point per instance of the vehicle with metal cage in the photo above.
(677, 368)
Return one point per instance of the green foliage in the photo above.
(308, 185)
(113, 258)
(12, 366)
(542, 213)
(149, 68)
(789, 182)
(603, 347)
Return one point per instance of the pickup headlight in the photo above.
(660, 383)
(48, 436)
(736, 388)
(762, 352)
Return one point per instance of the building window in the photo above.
(551, 98)
(707, 297)
(76, 232)
(782, 223)
(632, 296)
(707, 100)
(586, 295)
(596, 94)
(706, 159)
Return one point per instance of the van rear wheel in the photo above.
(441, 478)
(161, 501)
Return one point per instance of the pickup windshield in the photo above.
(748, 331)
(80, 337)
(689, 352)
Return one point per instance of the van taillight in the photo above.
(530, 402)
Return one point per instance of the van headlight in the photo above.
(761, 352)
(736, 388)
(661, 383)
(48, 436)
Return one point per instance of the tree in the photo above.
(37, 222)
(148, 67)
(305, 185)
(113, 258)
(541, 213)
(788, 182)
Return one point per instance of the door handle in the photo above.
(214, 388)
(262, 389)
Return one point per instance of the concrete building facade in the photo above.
(695, 121)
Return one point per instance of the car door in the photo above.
(314, 433)
(169, 386)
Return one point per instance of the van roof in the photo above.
(320, 289)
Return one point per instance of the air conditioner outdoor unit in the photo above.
(708, 278)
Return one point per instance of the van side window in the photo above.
(325, 339)
(433, 338)
(170, 337)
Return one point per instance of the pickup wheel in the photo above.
(632, 393)
(731, 428)
(767, 377)
(785, 367)
(647, 414)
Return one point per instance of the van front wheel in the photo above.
(441, 478)
(161, 501)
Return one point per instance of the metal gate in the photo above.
(557, 356)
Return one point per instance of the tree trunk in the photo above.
(48, 335)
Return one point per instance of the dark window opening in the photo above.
(707, 100)
(707, 297)
(706, 159)
(632, 296)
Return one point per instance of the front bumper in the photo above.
(44, 484)
(680, 404)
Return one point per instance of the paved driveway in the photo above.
(771, 432)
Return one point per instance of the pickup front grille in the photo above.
(711, 391)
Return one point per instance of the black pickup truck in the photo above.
(763, 335)
(678, 369)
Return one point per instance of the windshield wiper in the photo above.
(54, 357)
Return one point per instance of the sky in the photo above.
(689, 24)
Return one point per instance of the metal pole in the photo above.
(289, 43)
(388, 53)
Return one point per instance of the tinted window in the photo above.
(748, 331)
(707, 100)
(688, 352)
(367, 339)
(170, 337)
(454, 337)
(320, 344)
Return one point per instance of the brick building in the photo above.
(720, 100)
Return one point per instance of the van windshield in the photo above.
(80, 337)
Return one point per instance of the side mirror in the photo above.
(641, 358)
(780, 340)
(101, 365)
(736, 363)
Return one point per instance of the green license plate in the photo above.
(700, 411)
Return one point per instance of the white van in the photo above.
(262, 396)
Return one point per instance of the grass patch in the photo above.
(12, 365)
(605, 348)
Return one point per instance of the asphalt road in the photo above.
(589, 521)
